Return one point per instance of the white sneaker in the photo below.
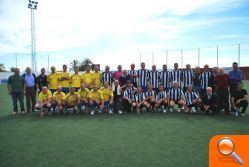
(171, 110)
(237, 112)
(92, 112)
(164, 110)
(14, 113)
(110, 112)
(22, 112)
(120, 112)
(99, 111)
(243, 114)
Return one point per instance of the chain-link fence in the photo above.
(215, 56)
(221, 56)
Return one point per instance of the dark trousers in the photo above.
(223, 99)
(117, 103)
(65, 90)
(126, 105)
(15, 97)
(192, 105)
(243, 104)
(53, 90)
(30, 98)
(233, 88)
(212, 107)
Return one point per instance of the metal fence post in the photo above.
(167, 53)
(199, 51)
(181, 58)
(217, 56)
(239, 55)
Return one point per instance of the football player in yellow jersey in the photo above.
(65, 79)
(96, 100)
(87, 77)
(71, 101)
(53, 80)
(108, 97)
(84, 98)
(96, 77)
(44, 101)
(76, 79)
(57, 100)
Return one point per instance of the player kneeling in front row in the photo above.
(71, 101)
(83, 93)
(44, 101)
(57, 101)
(192, 100)
(161, 99)
(176, 96)
(108, 97)
(128, 97)
(240, 100)
(139, 101)
(150, 98)
(96, 100)
(209, 102)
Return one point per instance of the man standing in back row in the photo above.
(143, 75)
(222, 84)
(64, 80)
(16, 88)
(30, 82)
(236, 77)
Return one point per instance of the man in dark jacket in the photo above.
(42, 80)
(16, 88)
(222, 84)
(209, 102)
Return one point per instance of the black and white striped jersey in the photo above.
(154, 78)
(205, 78)
(190, 96)
(133, 72)
(175, 94)
(161, 95)
(143, 77)
(176, 75)
(188, 78)
(149, 93)
(139, 97)
(129, 93)
(165, 79)
(107, 77)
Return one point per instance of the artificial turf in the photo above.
(148, 139)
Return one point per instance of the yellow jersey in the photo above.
(58, 96)
(107, 94)
(53, 80)
(96, 96)
(96, 77)
(65, 83)
(84, 94)
(72, 99)
(75, 81)
(87, 78)
(44, 97)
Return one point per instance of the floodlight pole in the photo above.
(32, 5)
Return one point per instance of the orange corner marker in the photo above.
(229, 151)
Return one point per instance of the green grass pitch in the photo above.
(145, 140)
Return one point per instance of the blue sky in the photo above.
(115, 32)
